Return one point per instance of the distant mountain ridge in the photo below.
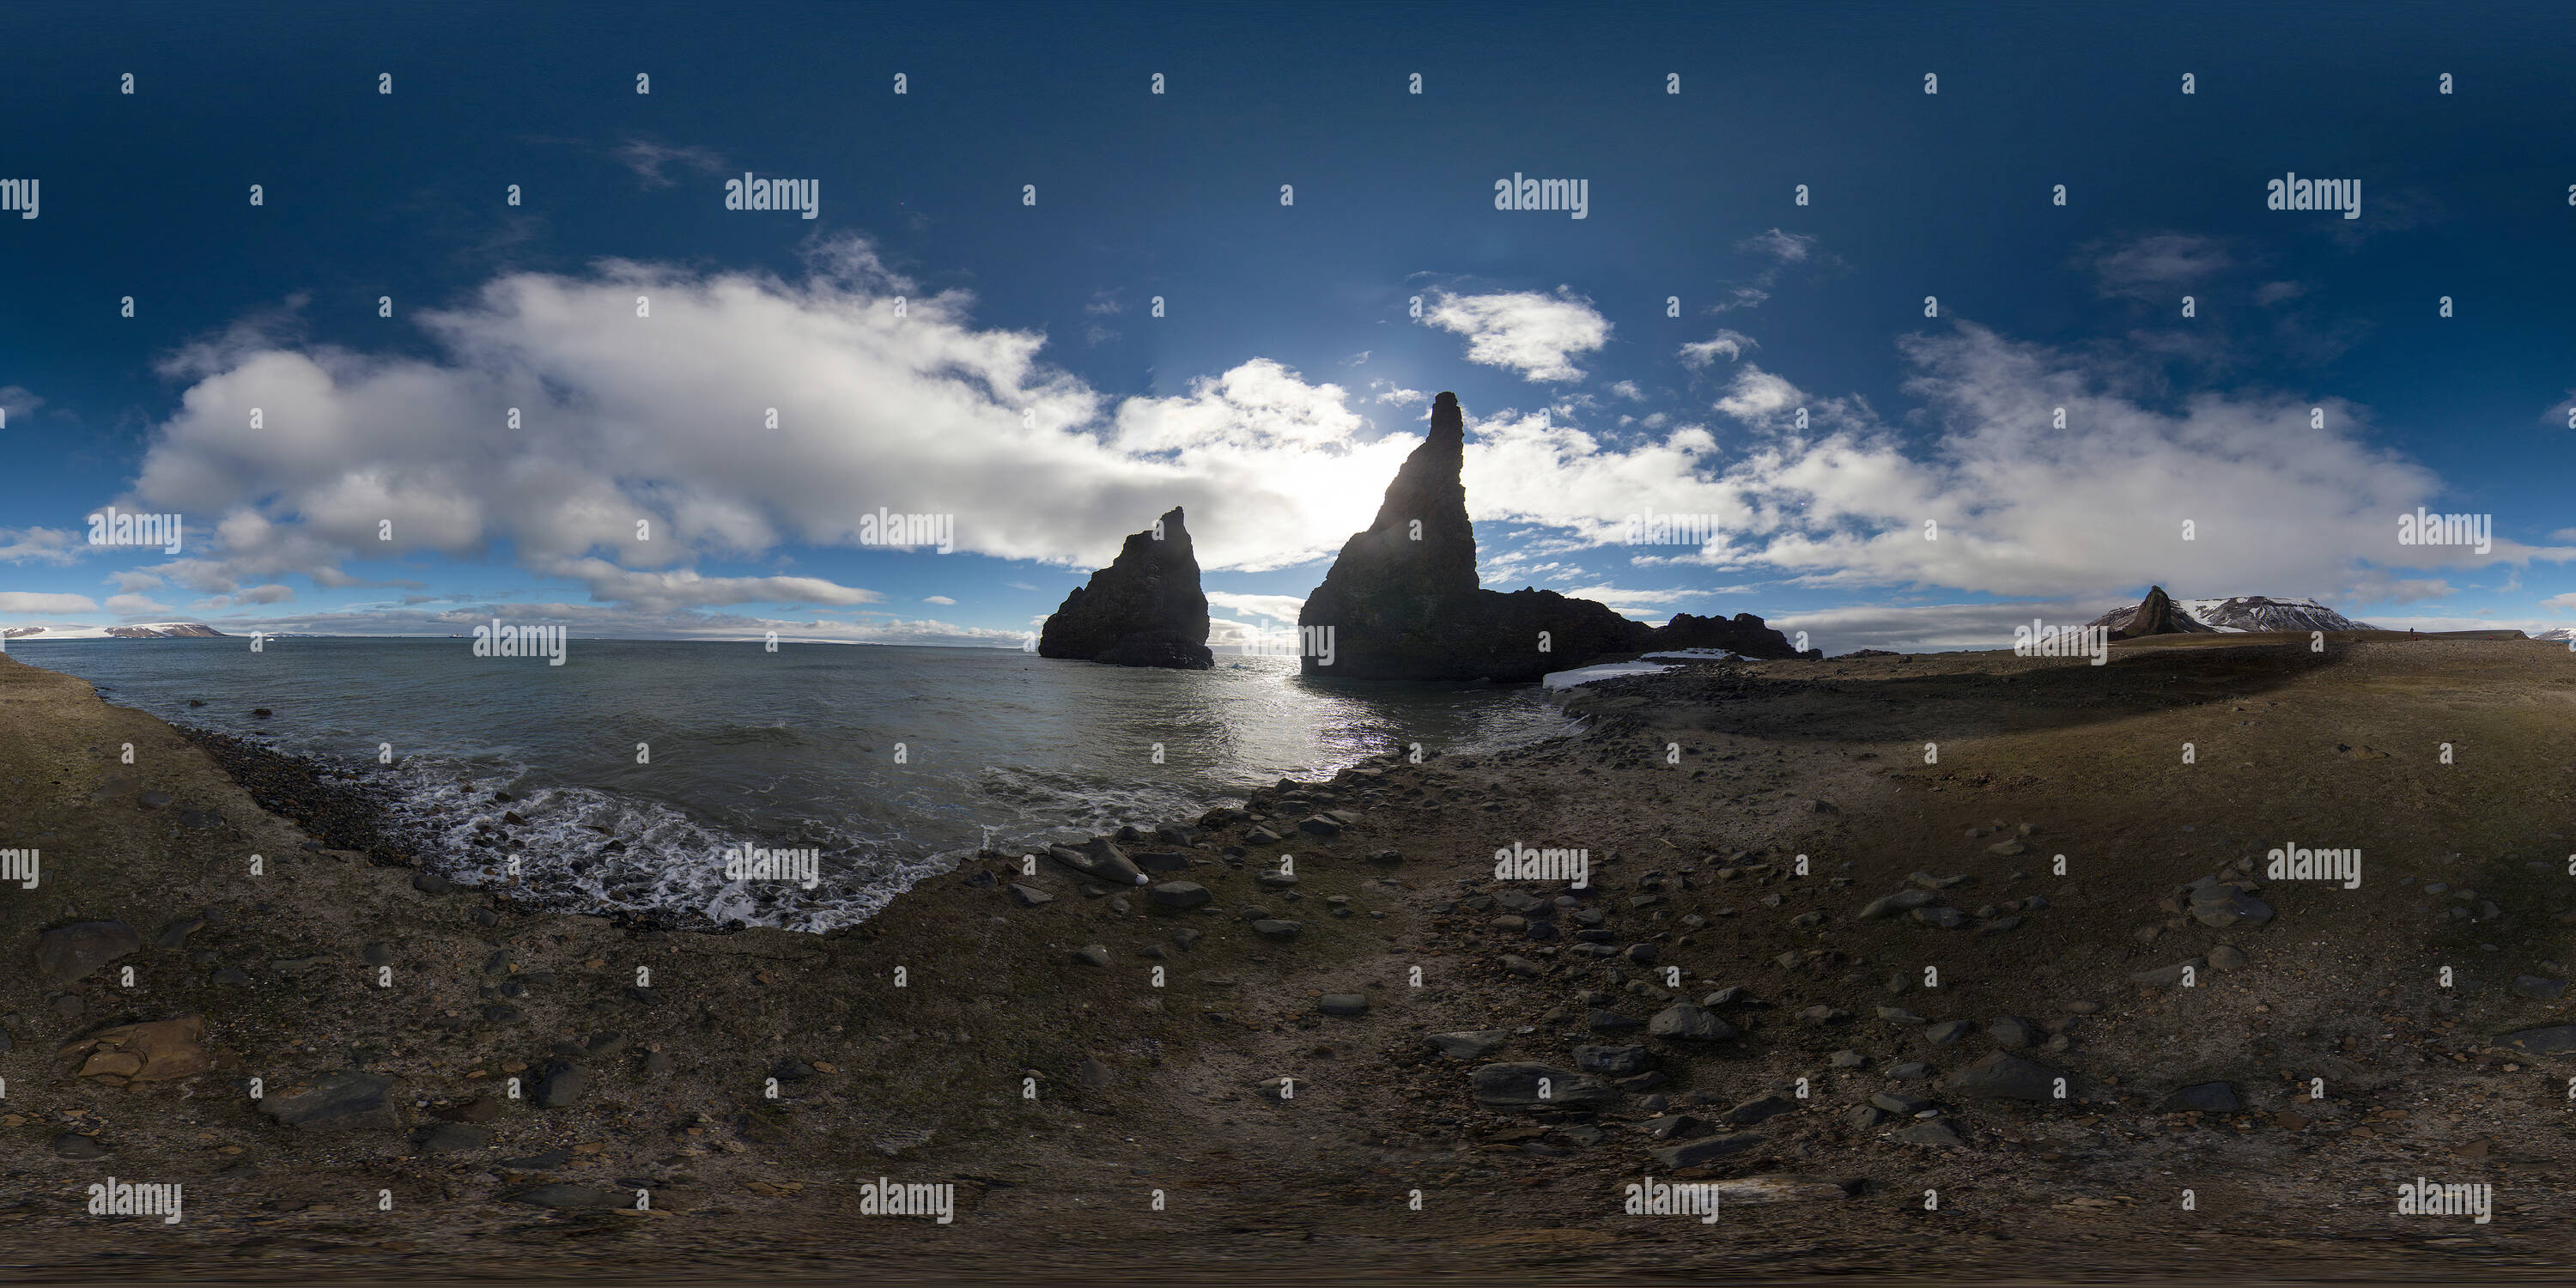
(2245, 613)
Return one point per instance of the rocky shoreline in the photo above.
(1327, 1001)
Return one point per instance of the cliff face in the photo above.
(1144, 609)
(1403, 601)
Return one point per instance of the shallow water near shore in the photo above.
(793, 750)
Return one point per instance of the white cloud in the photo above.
(1730, 345)
(2157, 265)
(1279, 608)
(22, 601)
(1741, 297)
(647, 160)
(273, 593)
(939, 599)
(1757, 395)
(662, 419)
(1787, 248)
(135, 606)
(40, 545)
(1529, 332)
(1628, 389)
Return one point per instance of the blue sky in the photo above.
(2315, 395)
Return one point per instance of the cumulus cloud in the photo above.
(939, 599)
(23, 601)
(661, 421)
(135, 606)
(40, 545)
(1533, 333)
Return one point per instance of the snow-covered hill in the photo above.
(142, 631)
(2263, 613)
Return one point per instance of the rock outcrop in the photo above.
(2155, 615)
(1403, 600)
(1144, 609)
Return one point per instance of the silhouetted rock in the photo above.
(1144, 609)
(1403, 602)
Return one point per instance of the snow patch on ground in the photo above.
(1607, 671)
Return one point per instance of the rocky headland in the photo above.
(1144, 609)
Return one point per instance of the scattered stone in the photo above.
(1683, 1022)
(1754, 1111)
(1909, 1071)
(563, 1085)
(72, 1144)
(1848, 1059)
(2555, 1039)
(1899, 1104)
(1181, 894)
(339, 1100)
(1935, 1133)
(1030, 896)
(563, 1196)
(432, 883)
(1092, 955)
(1613, 1061)
(1523, 967)
(1277, 929)
(1901, 901)
(1821, 1014)
(1866, 1117)
(1947, 1032)
(452, 1138)
(2010, 1031)
(2226, 957)
(1941, 918)
(1342, 1004)
(2539, 989)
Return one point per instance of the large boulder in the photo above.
(159, 1051)
(1144, 609)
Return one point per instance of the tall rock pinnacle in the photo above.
(1403, 601)
(1144, 609)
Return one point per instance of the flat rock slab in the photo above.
(1101, 861)
(1469, 1044)
(2004, 1076)
(2555, 1039)
(1342, 1004)
(1935, 1134)
(346, 1099)
(1516, 1086)
(2208, 1097)
(156, 1052)
(1707, 1149)
(1901, 901)
(69, 954)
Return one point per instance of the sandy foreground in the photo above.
(727, 1113)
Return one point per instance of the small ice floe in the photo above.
(1607, 671)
